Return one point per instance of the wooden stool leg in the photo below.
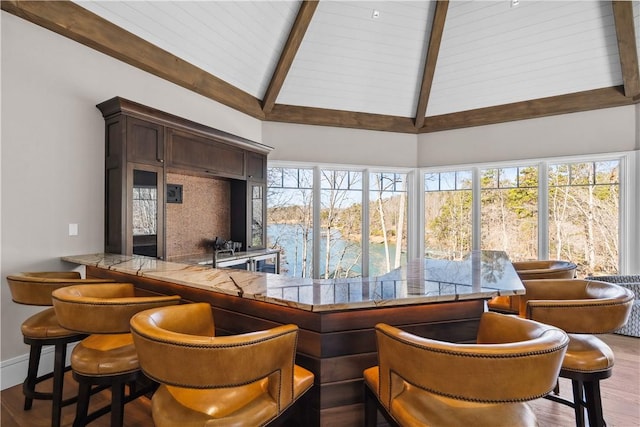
(82, 408)
(58, 381)
(594, 403)
(578, 402)
(117, 404)
(370, 408)
(29, 385)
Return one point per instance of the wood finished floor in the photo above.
(620, 395)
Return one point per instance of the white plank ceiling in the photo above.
(351, 61)
(495, 54)
(491, 52)
(238, 41)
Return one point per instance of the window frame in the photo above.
(629, 204)
(366, 170)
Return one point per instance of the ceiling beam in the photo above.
(625, 32)
(340, 118)
(437, 27)
(541, 107)
(307, 9)
(72, 21)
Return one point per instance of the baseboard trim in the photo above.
(13, 371)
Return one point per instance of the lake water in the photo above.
(290, 238)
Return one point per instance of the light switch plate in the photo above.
(73, 229)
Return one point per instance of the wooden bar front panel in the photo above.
(335, 346)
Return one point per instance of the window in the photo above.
(387, 222)
(509, 211)
(290, 218)
(340, 223)
(584, 208)
(447, 214)
(579, 221)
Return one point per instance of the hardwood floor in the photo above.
(137, 413)
(620, 392)
(620, 396)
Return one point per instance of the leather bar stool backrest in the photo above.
(528, 270)
(545, 269)
(577, 306)
(42, 329)
(107, 357)
(421, 381)
(581, 308)
(246, 379)
(35, 288)
(103, 309)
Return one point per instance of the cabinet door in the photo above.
(145, 142)
(256, 167)
(145, 215)
(256, 215)
(194, 153)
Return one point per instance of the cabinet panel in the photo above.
(145, 142)
(114, 229)
(145, 210)
(187, 151)
(257, 215)
(256, 167)
(140, 141)
(248, 214)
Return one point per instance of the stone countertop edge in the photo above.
(261, 286)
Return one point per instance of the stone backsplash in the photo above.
(203, 214)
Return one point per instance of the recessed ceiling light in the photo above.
(515, 3)
(375, 14)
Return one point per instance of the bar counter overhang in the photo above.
(438, 299)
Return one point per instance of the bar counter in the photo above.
(437, 299)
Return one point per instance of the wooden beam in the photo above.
(625, 32)
(72, 21)
(339, 118)
(307, 9)
(542, 107)
(437, 27)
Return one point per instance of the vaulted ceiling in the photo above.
(414, 66)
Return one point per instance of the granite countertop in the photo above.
(482, 275)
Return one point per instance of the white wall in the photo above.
(52, 153)
(591, 132)
(322, 144)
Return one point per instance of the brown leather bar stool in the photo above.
(43, 329)
(530, 270)
(420, 381)
(240, 380)
(581, 308)
(107, 357)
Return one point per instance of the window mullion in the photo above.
(543, 211)
(476, 225)
(365, 223)
(415, 208)
(317, 194)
